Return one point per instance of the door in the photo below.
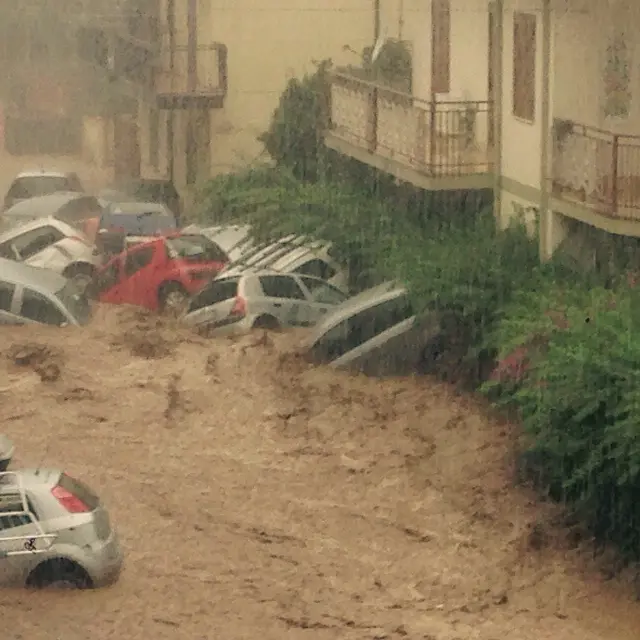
(284, 299)
(141, 275)
(322, 296)
(492, 69)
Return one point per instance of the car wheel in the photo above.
(59, 574)
(82, 276)
(266, 322)
(173, 300)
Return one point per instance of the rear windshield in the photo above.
(75, 301)
(361, 327)
(80, 490)
(42, 186)
(139, 224)
(217, 291)
(195, 248)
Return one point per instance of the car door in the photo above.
(284, 299)
(20, 540)
(7, 310)
(322, 297)
(109, 282)
(38, 308)
(140, 275)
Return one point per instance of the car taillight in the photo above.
(239, 307)
(71, 503)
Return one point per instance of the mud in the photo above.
(257, 497)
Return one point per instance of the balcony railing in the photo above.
(434, 138)
(598, 168)
(182, 82)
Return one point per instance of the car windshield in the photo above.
(195, 248)
(139, 224)
(34, 186)
(75, 301)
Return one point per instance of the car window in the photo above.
(281, 287)
(322, 292)
(39, 308)
(6, 295)
(316, 267)
(137, 259)
(362, 327)
(33, 186)
(32, 242)
(109, 276)
(217, 291)
(195, 248)
(12, 503)
(7, 251)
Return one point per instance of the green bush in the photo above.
(580, 400)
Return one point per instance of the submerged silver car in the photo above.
(54, 532)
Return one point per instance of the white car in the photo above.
(233, 239)
(261, 299)
(40, 182)
(49, 243)
(294, 254)
(376, 332)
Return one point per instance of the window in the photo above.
(138, 259)
(13, 503)
(318, 268)
(154, 135)
(32, 242)
(524, 66)
(217, 291)
(109, 277)
(360, 328)
(196, 249)
(8, 252)
(441, 46)
(323, 293)
(6, 295)
(281, 287)
(40, 309)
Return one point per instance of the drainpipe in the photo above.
(497, 100)
(171, 28)
(546, 216)
(376, 20)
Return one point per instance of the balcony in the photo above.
(433, 145)
(184, 83)
(596, 176)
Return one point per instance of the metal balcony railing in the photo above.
(597, 167)
(437, 139)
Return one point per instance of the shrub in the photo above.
(580, 401)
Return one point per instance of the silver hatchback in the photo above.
(54, 532)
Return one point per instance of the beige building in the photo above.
(223, 67)
(538, 99)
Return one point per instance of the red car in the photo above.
(160, 273)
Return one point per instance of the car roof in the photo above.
(41, 280)
(363, 300)
(45, 205)
(136, 207)
(35, 224)
(47, 173)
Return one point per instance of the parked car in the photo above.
(32, 295)
(72, 208)
(234, 239)
(160, 273)
(295, 254)
(136, 220)
(55, 532)
(376, 332)
(261, 299)
(158, 190)
(52, 244)
(6, 452)
(30, 184)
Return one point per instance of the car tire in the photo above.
(59, 573)
(266, 322)
(173, 299)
